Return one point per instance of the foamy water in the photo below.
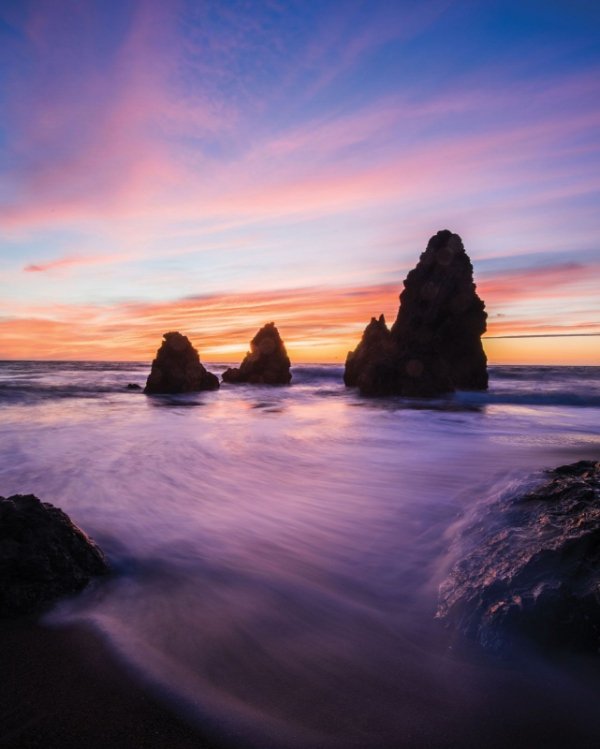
(278, 551)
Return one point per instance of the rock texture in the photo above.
(533, 568)
(177, 368)
(43, 556)
(267, 362)
(372, 365)
(434, 346)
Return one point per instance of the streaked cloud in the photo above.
(317, 323)
(151, 148)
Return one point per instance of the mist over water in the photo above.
(278, 551)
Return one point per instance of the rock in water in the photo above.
(434, 346)
(43, 556)
(532, 569)
(371, 366)
(266, 363)
(441, 316)
(177, 368)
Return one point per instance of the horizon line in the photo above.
(539, 335)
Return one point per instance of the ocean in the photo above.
(277, 552)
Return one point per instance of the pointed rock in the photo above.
(441, 316)
(434, 346)
(267, 362)
(177, 368)
(366, 365)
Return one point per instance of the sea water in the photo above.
(277, 551)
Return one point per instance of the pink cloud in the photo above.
(63, 262)
(70, 261)
(98, 143)
(131, 173)
(318, 323)
(128, 170)
(550, 282)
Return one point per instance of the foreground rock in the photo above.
(43, 556)
(534, 571)
(434, 346)
(267, 362)
(177, 368)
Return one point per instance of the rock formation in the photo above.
(177, 368)
(43, 556)
(434, 346)
(266, 363)
(532, 570)
(371, 366)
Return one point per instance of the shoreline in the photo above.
(62, 687)
(253, 607)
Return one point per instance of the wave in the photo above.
(35, 392)
(35, 382)
(518, 398)
(310, 373)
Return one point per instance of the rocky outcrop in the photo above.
(43, 556)
(177, 368)
(434, 346)
(267, 362)
(371, 366)
(532, 571)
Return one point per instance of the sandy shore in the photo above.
(63, 688)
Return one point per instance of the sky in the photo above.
(212, 166)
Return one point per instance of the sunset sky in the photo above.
(211, 166)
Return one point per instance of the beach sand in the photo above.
(62, 687)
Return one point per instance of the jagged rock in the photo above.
(367, 366)
(266, 363)
(434, 346)
(43, 556)
(177, 368)
(133, 386)
(533, 567)
(441, 315)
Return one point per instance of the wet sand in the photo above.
(63, 688)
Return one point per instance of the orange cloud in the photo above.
(317, 323)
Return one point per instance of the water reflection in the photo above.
(277, 553)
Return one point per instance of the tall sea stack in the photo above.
(177, 368)
(434, 346)
(267, 362)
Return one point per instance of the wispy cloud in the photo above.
(317, 323)
(64, 262)
(230, 143)
(551, 282)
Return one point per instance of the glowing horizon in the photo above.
(212, 167)
(317, 324)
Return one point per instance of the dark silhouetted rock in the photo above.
(177, 368)
(43, 556)
(434, 346)
(133, 386)
(367, 366)
(532, 570)
(266, 363)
